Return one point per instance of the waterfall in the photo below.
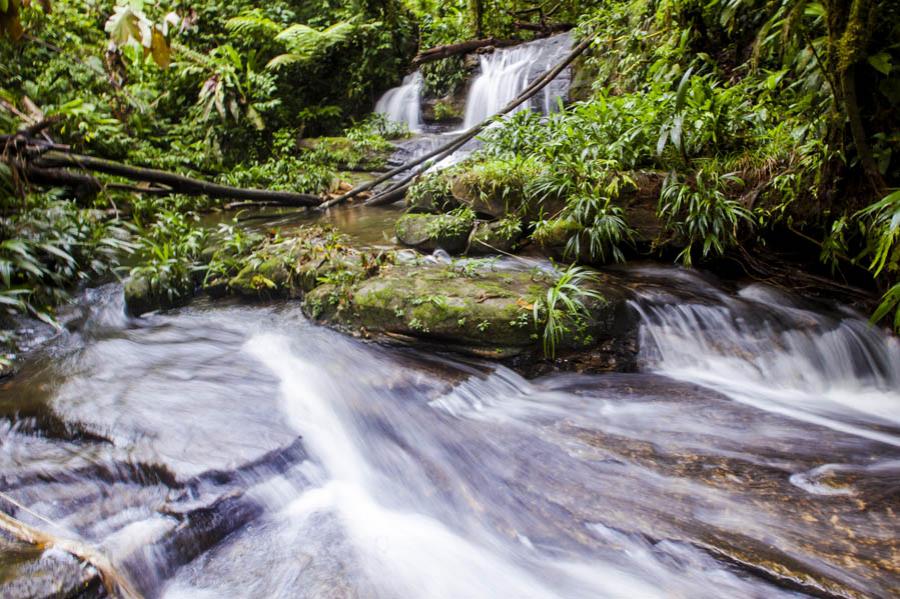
(403, 104)
(833, 371)
(506, 73)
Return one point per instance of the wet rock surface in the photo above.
(470, 307)
(224, 447)
(428, 232)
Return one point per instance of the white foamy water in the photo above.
(406, 551)
(505, 74)
(402, 104)
(838, 373)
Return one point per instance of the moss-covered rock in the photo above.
(432, 193)
(497, 187)
(293, 266)
(498, 236)
(428, 232)
(143, 295)
(473, 309)
(552, 237)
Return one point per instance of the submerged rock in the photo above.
(27, 571)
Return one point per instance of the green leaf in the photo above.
(881, 62)
(681, 93)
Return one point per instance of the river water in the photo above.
(236, 450)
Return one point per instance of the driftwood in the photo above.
(46, 163)
(439, 52)
(116, 585)
(426, 161)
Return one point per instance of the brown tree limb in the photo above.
(175, 182)
(449, 50)
(115, 583)
(544, 28)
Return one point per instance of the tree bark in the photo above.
(54, 159)
(544, 28)
(439, 52)
(858, 132)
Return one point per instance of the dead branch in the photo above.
(49, 164)
(439, 52)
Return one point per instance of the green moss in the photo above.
(428, 232)
(497, 186)
(432, 193)
(293, 266)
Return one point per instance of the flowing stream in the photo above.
(233, 450)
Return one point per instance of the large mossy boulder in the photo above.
(294, 265)
(432, 193)
(465, 307)
(428, 232)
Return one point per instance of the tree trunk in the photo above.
(478, 16)
(439, 52)
(175, 182)
(857, 130)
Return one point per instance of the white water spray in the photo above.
(403, 104)
(840, 374)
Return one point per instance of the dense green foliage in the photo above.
(217, 90)
(735, 122)
(746, 112)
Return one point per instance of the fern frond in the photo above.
(252, 23)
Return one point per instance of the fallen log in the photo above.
(543, 28)
(48, 163)
(175, 182)
(428, 159)
(439, 52)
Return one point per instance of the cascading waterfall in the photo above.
(403, 104)
(506, 73)
(759, 349)
(503, 75)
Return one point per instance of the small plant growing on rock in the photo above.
(563, 308)
(454, 223)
